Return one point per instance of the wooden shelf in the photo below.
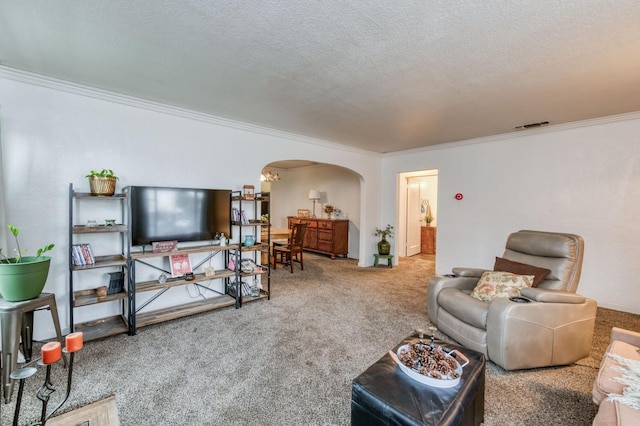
(119, 196)
(103, 262)
(185, 310)
(143, 286)
(249, 298)
(259, 198)
(264, 271)
(103, 327)
(251, 223)
(194, 249)
(89, 297)
(258, 246)
(99, 229)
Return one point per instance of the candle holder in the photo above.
(73, 344)
(433, 330)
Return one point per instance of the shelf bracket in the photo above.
(153, 298)
(206, 259)
(153, 266)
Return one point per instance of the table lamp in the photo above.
(314, 195)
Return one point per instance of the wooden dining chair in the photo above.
(291, 251)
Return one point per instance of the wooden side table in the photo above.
(428, 240)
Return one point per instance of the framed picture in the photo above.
(303, 212)
(180, 264)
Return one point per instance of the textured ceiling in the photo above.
(376, 74)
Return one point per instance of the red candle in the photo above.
(73, 341)
(51, 352)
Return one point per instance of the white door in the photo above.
(413, 218)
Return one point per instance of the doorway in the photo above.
(417, 212)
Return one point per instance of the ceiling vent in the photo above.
(532, 125)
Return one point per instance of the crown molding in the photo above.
(105, 95)
(21, 76)
(525, 133)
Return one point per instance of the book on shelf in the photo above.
(248, 265)
(81, 255)
(245, 288)
(240, 216)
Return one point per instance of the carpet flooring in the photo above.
(291, 359)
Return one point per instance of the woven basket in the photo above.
(102, 186)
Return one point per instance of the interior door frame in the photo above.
(413, 218)
(401, 247)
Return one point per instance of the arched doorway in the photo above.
(338, 186)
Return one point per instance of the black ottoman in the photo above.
(384, 395)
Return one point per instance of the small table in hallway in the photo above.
(384, 395)
(388, 257)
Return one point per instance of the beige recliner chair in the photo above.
(555, 328)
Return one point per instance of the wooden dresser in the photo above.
(428, 240)
(327, 236)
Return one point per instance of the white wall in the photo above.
(338, 187)
(53, 133)
(582, 178)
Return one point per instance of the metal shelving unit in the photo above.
(82, 298)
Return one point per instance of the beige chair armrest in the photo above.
(530, 335)
(627, 336)
(468, 272)
(439, 282)
(551, 296)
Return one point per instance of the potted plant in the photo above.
(23, 277)
(102, 183)
(428, 219)
(384, 246)
(328, 209)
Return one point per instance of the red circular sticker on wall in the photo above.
(459, 196)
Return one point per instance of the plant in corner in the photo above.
(23, 277)
(384, 247)
(102, 183)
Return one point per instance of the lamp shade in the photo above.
(314, 194)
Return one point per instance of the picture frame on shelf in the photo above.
(180, 265)
(303, 213)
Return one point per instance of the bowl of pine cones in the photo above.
(430, 364)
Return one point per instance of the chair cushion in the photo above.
(500, 284)
(466, 309)
(606, 381)
(507, 265)
(560, 253)
(616, 414)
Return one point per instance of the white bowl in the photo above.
(446, 382)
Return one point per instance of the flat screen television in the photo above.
(183, 214)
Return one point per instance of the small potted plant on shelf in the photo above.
(102, 183)
(428, 219)
(384, 246)
(23, 277)
(328, 209)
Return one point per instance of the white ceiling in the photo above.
(375, 74)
